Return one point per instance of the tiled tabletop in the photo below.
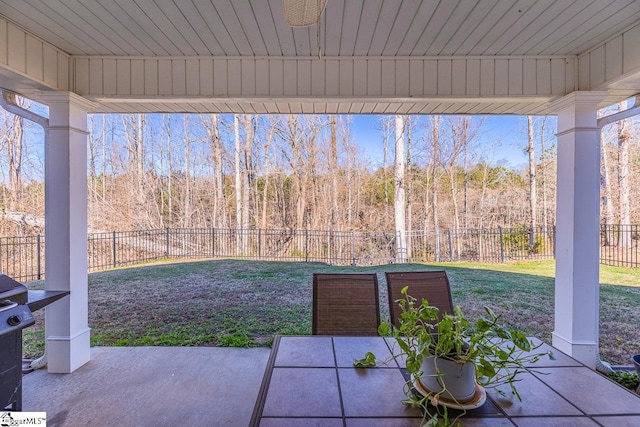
(311, 381)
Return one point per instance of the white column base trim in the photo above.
(65, 354)
(583, 351)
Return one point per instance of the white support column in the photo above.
(66, 321)
(578, 226)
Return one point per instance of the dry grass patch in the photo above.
(245, 303)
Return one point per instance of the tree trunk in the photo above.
(435, 141)
(238, 183)
(623, 177)
(409, 192)
(333, 171)
(533, 197)
(399, 190)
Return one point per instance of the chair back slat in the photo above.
(345, 304)
(430, 285)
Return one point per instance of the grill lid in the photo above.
(12, 290)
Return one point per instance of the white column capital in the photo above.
(578, 98)
(50, 97)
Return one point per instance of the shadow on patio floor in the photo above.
(151, 386)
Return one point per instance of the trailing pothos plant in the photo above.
(499, 353)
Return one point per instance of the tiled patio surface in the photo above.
(151, 386)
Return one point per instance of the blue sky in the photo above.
(510, 132)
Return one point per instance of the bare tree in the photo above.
(13, 142)
(623, 178)
(238, 181)
(399, 189)
(533, 198)
(435, 161)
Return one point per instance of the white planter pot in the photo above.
(458, 380)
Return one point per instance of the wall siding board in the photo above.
(458, 77)
(570, 75)
(109, 76)
(317, 77)
(234, 77)
(473, 77)
(49, 65)
(402, 76)
(96, 69)
(583, 72)
(290, 73)
(262, 77)
(123, 76)
(596, 66)
(613, 58)
(515, 77)
(206, 77)
(137, 77)
(346, 78)
(388, 71)
(501, 77)
(151, 80)
(631, 49)
(557, 76)
(430, 77)
(374, 76)
(529, 77)
(4, 41)
(16, 43)
(304, 78)
(248, 77)
(444, 77)
(332, 77)
(543, 76)
(416, 77)
(275, 77)
(192, 73)
(360, 77)
(64, 65)
(220, 77)
(165, 83)
(487, 77)
(81, 83)
(34, 55)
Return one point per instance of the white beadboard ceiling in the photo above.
(348, 27)
(92, 32)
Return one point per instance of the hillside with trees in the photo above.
(307, 171)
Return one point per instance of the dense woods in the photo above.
(281, 171)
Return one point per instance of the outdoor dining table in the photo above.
(311, 381)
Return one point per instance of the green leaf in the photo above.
(368, 361)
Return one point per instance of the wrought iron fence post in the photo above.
(113, 241)
(39, 255)
(213, 242)
(259, 243)
(166, 252)
(450, 245)
(353, 249)
(306, 245)
(501, 245)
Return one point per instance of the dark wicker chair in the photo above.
(345, 304)
(430, 285)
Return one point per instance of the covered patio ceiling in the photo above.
(564, 57)
(382, 57)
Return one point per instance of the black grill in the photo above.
(15, 315)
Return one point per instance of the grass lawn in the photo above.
(244, 303)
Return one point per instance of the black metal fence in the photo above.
(619, 245)
(23, 257)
